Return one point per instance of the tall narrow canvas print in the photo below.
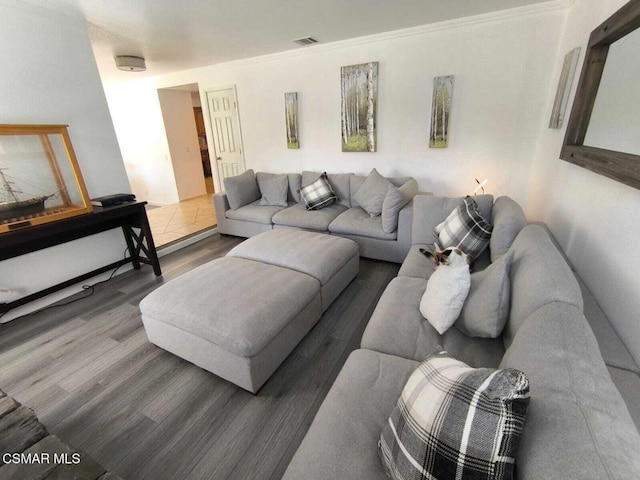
(291, 119)
(359, 101)
(440, 111)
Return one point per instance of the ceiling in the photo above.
(178, 35)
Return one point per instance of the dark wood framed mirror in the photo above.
(620, 161)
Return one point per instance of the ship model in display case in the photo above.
(40, 180)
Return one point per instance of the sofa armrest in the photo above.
(221, 205)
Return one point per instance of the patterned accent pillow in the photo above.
(318, 194)
(465, 228)
(454, 421)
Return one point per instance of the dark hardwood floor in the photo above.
(94, 380)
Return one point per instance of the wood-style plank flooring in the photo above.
(92, 377)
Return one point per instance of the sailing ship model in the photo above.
(11, 206)
(40, 179)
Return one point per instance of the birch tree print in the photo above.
(359, 88)
(291, 119)
(440, 111)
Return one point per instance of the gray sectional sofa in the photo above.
(578, 425)
(344, 218)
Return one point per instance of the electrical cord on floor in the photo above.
(90, 288)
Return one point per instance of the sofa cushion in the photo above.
(395, 199)
(356, 221)
(539, 275)
(341, 442)
(340, 184)
(416, 264)
(398, 311)
(486, 310)
(507, 219)
(577, 423)
(465, 228)
(453, 421)
(273, 188)
(318, 194)
(370, 196)
(428, 212)
(254, 212)
(241, 189)
(298, 216)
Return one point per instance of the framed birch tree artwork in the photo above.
(359, 89)
(440, 111)
(291, 119)
(564, 86)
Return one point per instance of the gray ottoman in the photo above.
(241, 315)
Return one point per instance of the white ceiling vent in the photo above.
(305, 41)
(129, 63)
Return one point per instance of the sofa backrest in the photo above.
(293, 195)
(539, 276)
(340, 184)
(577, 424)
(430, 211)
(356, 182)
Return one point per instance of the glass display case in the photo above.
(40, 180)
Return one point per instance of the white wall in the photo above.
(49, 75)
(503, 65)
(180, 126)
(144, 146)
(595, 219)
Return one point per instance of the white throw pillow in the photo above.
(447, 289)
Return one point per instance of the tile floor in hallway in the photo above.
(172, 222)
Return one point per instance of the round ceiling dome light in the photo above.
(130, 63)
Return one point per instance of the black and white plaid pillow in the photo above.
(318, 194)
(454, 421)
(466, 229)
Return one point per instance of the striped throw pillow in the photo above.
(318, 194)
(453, 421)
(466, 229)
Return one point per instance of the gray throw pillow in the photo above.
(371, 194)
(394, 201)
(273, 188)
(454, 421)
(242, 189)
(508, 219)
(486, 310)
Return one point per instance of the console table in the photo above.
(130, 217)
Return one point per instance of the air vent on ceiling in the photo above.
(305, 41)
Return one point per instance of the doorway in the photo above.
(189, 151)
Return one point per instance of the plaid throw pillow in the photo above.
(466, 229)
(454, 421)
(318, 194)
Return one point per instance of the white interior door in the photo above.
(225, 129)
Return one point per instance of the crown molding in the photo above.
(485, 18)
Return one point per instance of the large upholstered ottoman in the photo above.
(241, 315)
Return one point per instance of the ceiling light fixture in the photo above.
(130, 63)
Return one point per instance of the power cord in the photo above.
(90, 288)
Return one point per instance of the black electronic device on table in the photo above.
(115, 199)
